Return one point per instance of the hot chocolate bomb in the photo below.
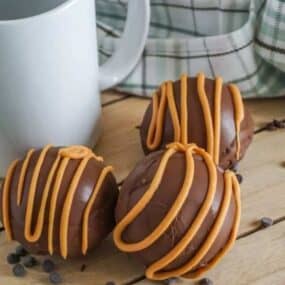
(177, 212)
(59, 201)
(201, 111)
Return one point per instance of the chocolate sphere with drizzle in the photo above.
(178, 213)
(59, 201)
(201, 111)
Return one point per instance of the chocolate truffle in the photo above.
(59, 201)
(201, 111)
(177, 212)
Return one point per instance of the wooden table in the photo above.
(258, 257)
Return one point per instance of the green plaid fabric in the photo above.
(270, 40)
(241, 40)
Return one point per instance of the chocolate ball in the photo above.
(177, 212)
(201, 111)
(59, 201)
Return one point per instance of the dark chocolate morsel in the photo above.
(30, 261)
(196, 123)
(266, 222)
(21, 251)
(206, 281)
(13, 258)
(55, 278)
(48, 265)
(19, 270)
(83, 267)
(239, 178)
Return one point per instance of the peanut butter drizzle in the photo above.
(239, 114)
(213, 129)
(156, 270)
(91, 201)
(22, 176)
(56, 174)
(6, 199)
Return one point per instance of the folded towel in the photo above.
(241, 40)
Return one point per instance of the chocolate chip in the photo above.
(13, 258)
(110, 283)
(271, 127)
(19, 270)
(239, 178)
(278, 124)
(20, 250)
(170, 281)
(83, 267)
(48, 265)
(234, 167)
(206, 281)
(30, 261)
(55, 278)
(266, 222)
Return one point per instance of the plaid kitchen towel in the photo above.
(241, 40)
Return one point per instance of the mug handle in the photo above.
(130, 47)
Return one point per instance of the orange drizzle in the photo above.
(217, 118)
(239, 114)
(22, 176)
(90, 203)
(53, 202)
(159, 110)
(6, 199)
(156, 270)
(31, 196)
(213, 129)
(184, 109)
(207, 113)
(51, 190)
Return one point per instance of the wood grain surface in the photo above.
(259, 255)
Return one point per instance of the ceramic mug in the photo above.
(49, 74)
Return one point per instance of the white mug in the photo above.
(49, 74)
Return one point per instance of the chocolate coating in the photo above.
(101, 219)
(196, 124)
(136, 185)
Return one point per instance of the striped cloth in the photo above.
(241, 40)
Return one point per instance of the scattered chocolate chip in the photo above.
(170, 281)
(110, 283)
(19, 270)
(13, 258)
(271, 127)
(30, 261)
(206, 281)
(279, 124)
(282, 164)
(239, 178)
(20, 250)
(83, 267)
(55, 278)
(48, 265)
(234, 167)
(266, 222)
